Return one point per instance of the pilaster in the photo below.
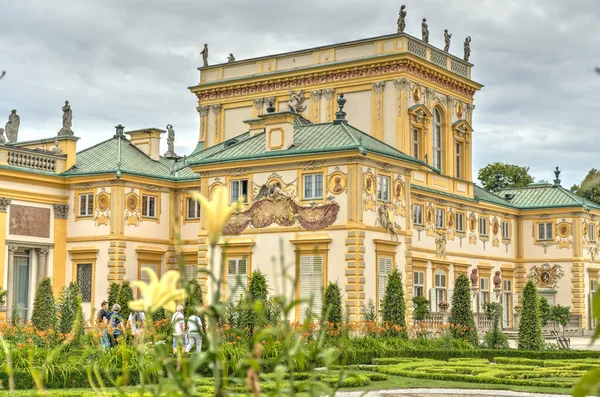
(578, 292)
(315, 105)
(4, 203)
(203, 114)
(355, 273)
(377, 109)
(59, 268)
(116, 261)
(402, 86)
(327, 95)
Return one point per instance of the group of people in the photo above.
(115, 327)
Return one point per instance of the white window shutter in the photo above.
(317, 284)
(305, 285)
(191, 272)
(243, 274)
(433, 307)
(231, 280)
(449, 300)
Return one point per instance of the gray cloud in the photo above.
(130, 62)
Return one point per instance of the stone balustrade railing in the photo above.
(27, 158)
(437, 57)
(484, 323)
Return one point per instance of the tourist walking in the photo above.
(136, 324)
(178, 322)
(115, 321)
(194, 333)
(101, 321)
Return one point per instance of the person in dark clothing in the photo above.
(116, 324)
(101, 320)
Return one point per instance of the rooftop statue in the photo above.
(204, 54)
(55, 149)
(230, 58)
(425, 30)
(67, 121)
(2, 138)
(296, 104)
(467, 47)
(170, 142)
(402, 19)
(12, 126)
(447, 37)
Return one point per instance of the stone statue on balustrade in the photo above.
(67, 121)
(230, 58)
(56, 149)
(204, 54)
(474, 279)
(447, 37)
(296, 103)
(170, 142)
(12, 126)
(425, 30)
(467, 47)
(2, 138)
(402, 19)
(497, 281)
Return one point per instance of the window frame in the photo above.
(506, 227)
(483, 221)
(442, 291)
(314, 195)
(84, 299)
(592, 232)
(458, 148)
(418, 286)
(545, 226)
(422, 222)
(440, 214)
(89, 212)
(390, 261)
(146, 202)
(462, 222)
(416, 142)
(190, 200)
(237, 260)
(380, 179)
(239, 183)
(437, 160)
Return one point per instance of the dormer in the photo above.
(148, 141)
(278, 128)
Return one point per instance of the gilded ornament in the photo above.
(459, 110)
(103, 201)
(417, 94)
(546, 275)
(337, 183)
(564, 229)
(399, 190)
(369, 184)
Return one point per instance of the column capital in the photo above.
(4, 203)
(42, 251)
(61, 211)
(202, 110)
(12, 248)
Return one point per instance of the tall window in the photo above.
(21, 284)
(385, 268)
(458, 160)
(144, 276)
(460, 222)
(193, 209)
(439, 218)
(238, 189)
(149, 206)
(438, 294)
(86, 204)
(416, 142)
(507, 301)
(237, 278)
(484, 293)
(383, 188)
(505, 230)
(311, 284)
(313, 186)
(545, 231)
(483, 226)
(418, 283)
(84, 280)
(418, 215)
(592, 231)
(437, 140)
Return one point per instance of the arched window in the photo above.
(437, 139)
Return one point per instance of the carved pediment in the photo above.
(462, 130)
(419, 115)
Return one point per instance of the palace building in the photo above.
(353, 158)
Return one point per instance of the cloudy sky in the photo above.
(131, 61)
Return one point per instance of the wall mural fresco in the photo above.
(29, 221)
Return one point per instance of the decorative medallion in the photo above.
(495, 227)
(546, 275)
(399, 190)
(450, 220)
(472, 223)
(103, 201)
(417, 94)
(564, 229)
(132, 213)
(429, 215)
(369, 184)
(459, 111)
(337, 183)
(585, 230)
(132, 202)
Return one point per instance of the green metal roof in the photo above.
(483, 195)
(546, 196)
(120, 153)
(308, 139)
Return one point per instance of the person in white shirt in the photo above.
(178, 322)
(194, 336)
(136, 323)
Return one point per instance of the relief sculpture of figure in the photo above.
(474, 278)
(271, 190)
(402, 19)
(467, 47)
(204, 54)
(67, 121)
(447, 37)
(386, 220)
(425, 30)
(230, 58)
(497, 280)
(170, 142)
(2, 139)
(12, 126)
(296, 104)
(440, 245)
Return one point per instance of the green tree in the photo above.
(562, 315)
(125, 296)
(589, 187)
(530, 331)
(332, 305)
(545, 311)
(421, 308)
(393, 305)
(461, 316)
(113, 294)
(497, 176)
(495, 339)
(70, 313)
(3, 295)
(44, 310)
(194, 300)
(369, 311)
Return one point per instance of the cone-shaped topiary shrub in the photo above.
(44, 310)
(461, 316)
(394, 306)
(530, 330)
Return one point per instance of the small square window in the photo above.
(545, 231)
(86, 204)
(193, 209)
(313, 186)
(383, 188)
(238, 189)
(439, 218)
(149, 206)
(418, 215)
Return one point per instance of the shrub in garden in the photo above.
(462, 321)
(332, 305)
(3, 295)
(44, 310)
(257, 287)
(562, 315)
(394, 306)
(495, 339)
(125, 295)
(369, 311)
(421, 308)
(70, 313)
(15, 315)
(113, 294)
(530, 332)
(545, 311)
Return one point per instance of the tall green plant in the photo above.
(545, 311)
(369, 311)
(257, 287)
(125, 296)
(113, 294)
(530, 331)
(394, 306)
(332, 305)
(495, 338)
(44, 309)
(70, 310)
(194, 300)
(463, 323)
(421, 308)
(562, 315)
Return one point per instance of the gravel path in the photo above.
(445, 393)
